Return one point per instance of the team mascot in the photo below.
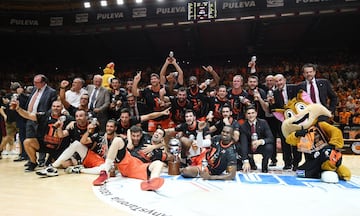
(108, 75)
(319, 140)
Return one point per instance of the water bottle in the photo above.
(204, 164)
(14, 98)
(254, 137)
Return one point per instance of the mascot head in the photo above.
(109, 69)
(300, 113)
(108, 75)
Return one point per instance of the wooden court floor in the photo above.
(68, 194)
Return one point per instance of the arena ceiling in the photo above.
(201, 42)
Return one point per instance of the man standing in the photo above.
(40, 101)
(282, 95)
(320, 90)
(99, 100)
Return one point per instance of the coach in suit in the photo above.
(99, 101)
(40, 100)
(283, 93)
(320, 90)
(262, 144)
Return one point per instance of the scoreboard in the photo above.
(202, 10)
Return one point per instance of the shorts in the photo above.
(132, 167)
(196, 160)
(92, 160)
(31, 129)
(11, 128)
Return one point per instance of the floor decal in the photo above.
(253, 193)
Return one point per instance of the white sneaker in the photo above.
(48, 171)
(74, 169)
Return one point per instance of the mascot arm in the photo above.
(292, 139)
(334, 134)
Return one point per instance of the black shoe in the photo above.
(27, 164)
(264, 170)
(252, 163)
(295, 167)
(19, 159)
(272, 164)
(41, 164)
(287, 167)
(239, 165)
(31, 167)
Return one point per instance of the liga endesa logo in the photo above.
(194, 196)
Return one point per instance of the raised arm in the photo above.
(63, 100)
(154, 115)
(135, 89)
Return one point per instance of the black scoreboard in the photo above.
(202, 10)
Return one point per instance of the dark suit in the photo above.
(102, 102)
(325, 92)
(291, 91)
(291, 156)
(264, 132)
(47, 98)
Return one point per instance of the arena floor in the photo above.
(274, 193)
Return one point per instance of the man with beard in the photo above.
(131, 165)
(126, 120)
(236, 95)
(193, 137)
(179, 105)
(220, 157)
(92, 149)
(198, 98)
(217, 102)
(48, 138)
(148, 148)
(153, 95)
(257, 96)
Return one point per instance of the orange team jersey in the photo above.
(132, 167)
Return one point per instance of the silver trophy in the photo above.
(174, 147)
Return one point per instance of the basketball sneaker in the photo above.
(48, 171)
(152, 184)
(101, 179)
(74, 169)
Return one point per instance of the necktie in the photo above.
(33, 99)
(282, 96)
(253, 128)
(93, 99)
(312, 92)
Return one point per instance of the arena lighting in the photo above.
(138, 1)
(87, 5)
(120, 2)
(103, 3)
(267, 16)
